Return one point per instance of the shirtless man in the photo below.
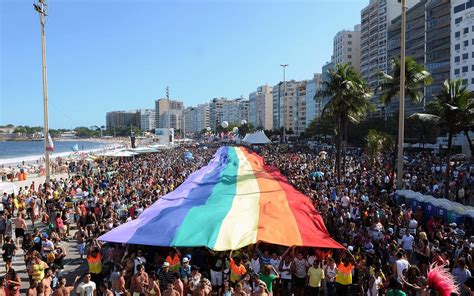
(45, 284)
(118, 286)
(139, 280)
(20, 227)
(64, 290)
(170, 291)
(204, 288)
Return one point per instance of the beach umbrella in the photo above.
(317, 174)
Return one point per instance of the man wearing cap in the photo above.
(185, 270)
(165, 276)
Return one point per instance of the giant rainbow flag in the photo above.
(232, 202)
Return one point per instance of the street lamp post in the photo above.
(284, 101)
(40, 7)
(401, 116)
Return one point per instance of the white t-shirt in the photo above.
(86, 289)
(407, 242)
(255, 264)
(345, 201)
(402, 264)
(413, 225)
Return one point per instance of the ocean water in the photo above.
(13, 151)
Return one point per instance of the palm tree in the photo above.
(416, 76)
(454, 109)
(377, 143)
(349, 101)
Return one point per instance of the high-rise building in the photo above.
(169, 114)
(121, 119)
(462, 42)
(234, 111)
(202, 116)
(414, 48)
(261, 108)
(285, 104)
(190, 120)
(215, 112)
(346, 48)
(313, 105)
(147, 119)
(375, 19)
(438, 40)
(300, 107)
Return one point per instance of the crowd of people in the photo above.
(389, 247)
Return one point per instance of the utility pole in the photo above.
(284, 101)
(401, 116)
(40, 7)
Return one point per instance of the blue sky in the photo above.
(106, 55)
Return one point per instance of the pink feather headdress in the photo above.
(441, 280)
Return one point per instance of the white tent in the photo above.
(8, 188)
(258, 137)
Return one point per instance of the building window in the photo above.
(457, 34)
(459, 8)
(465, 43)
(472, 54)
(349, 49)
(457, 59)
(464, 82)
(472, 80)
(349, 42)
(472, 68)
(349, 35)
(458, 20)
(349, 56)
(465, 56)
(465, 69)
(472, 41)
(466, 30)
(457, 46)
(456, 71)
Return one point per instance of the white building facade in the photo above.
(462, 42)
(313, 105)
(202, 116)
(261, 108)
(285, 105)
(375, 19)
(147, 119)
(346, 48)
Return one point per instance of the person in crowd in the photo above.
(140, 281)
(153, 288)
(385, 235)
(13, 281)
(170, 291)
(165, 276)
(314, 278)
(63, 289)
(86, 287)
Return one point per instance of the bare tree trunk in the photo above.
(448, 165)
